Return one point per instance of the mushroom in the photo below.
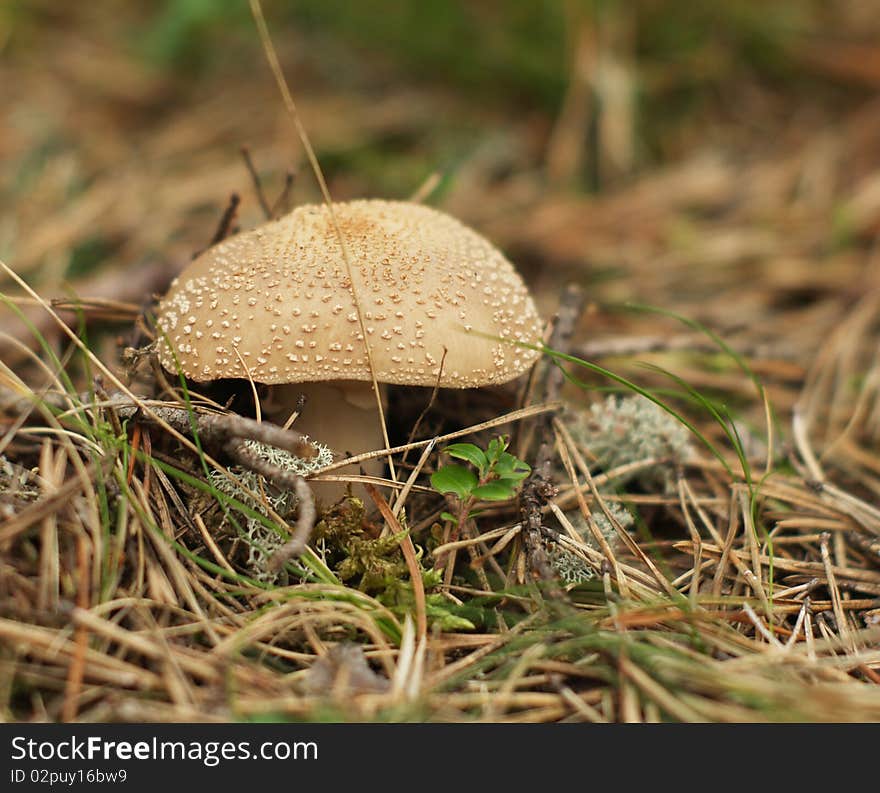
(277, 304)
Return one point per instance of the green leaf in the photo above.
(442, 613)
(449, 622)
(508, 465)
(499, 490)
(454, 479)
(446, 615)
(515, 476)
(467, 451)
(496, 448)
(448, 516)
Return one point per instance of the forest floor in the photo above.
(708, 548)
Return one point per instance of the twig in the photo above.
(857, 577)
(537, 489)
(871, 547)
(223, 430)
(305, 522)
(109, 294)
(224, 226)
(282, 203)
(255, 178)
(239, 452)
(534, 494)
(842, 624)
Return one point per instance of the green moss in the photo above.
(353, 553)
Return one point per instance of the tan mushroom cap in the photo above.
(280, 297)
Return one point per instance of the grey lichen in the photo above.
(568, 565)
(570, 568)
(631, 429)
(261, 540)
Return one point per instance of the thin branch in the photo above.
(255, 178)
(224, 227)
(305, 522)
(282, 203)
(538, 489)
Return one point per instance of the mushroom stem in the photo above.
(342, 415)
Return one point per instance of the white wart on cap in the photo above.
(280, 296)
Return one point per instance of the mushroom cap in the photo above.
(276, 303)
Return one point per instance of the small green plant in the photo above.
(497, 476)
